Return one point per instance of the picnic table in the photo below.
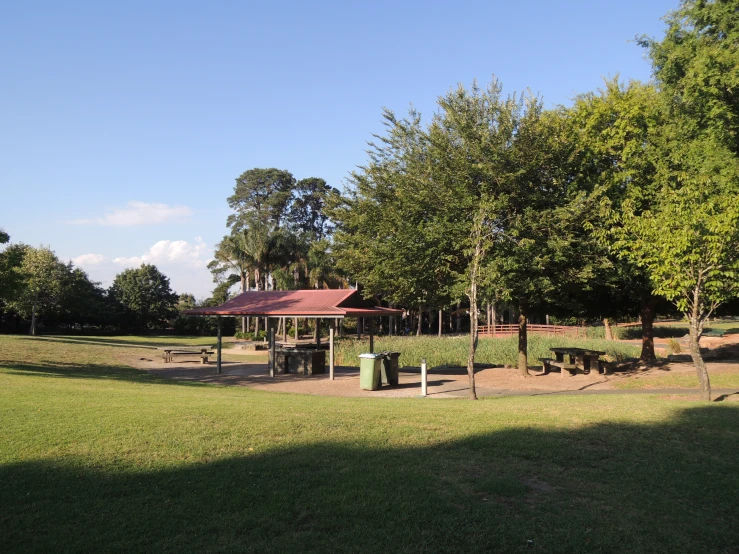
(569, 360)
(171, 352)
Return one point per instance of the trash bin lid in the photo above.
(372, 356)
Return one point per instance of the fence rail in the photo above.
(508, 330)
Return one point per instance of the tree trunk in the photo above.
(33, 316)
(473, 320)
(609, 329)
(700, 365)
(459, 320)
(420, 321)
(647, 313)
(523, 359)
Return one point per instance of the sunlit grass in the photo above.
(719, 379)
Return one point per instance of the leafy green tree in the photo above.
(40, 292)
(480, 198)
(388, 235)
(618, 136)
(510, 159)
(146, 296)
(688, 244)
(695, 65)
(4, 237)
(11, 276)
(83, 301)
(686, 239)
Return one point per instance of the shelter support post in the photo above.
(218, 356)
(318, 331)
(271, 347)
(372, 334)
(331, 330)
(424, 378)
(295, 323)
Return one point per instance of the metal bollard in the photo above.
(424, 380)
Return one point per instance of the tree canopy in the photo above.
(145, 295)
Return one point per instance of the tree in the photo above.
(11, 276)
(480, 193)
(233, 254)
(41, 286)
(389, 233)
(307, 213)
(618, 137)
(261, 193)
(82, 301)
(696, 66)
(4, 237)
(688, 244)
(687, 239)
(511, 161)
(146, 296)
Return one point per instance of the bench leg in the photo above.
(564, 372)
(203, 360)
(546, 368)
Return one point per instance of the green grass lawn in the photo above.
(452, 351)
(99, 457)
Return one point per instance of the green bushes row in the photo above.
(250, 336)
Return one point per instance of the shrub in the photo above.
(250, 336)
(674, 347)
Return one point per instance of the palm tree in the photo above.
(231, 254)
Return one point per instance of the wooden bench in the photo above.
(549, 363)
(203, 354)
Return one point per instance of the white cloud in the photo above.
(88, 259)
(178, 252)
(138, 213)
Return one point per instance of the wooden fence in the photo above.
(554, 330)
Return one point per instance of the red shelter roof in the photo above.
(303, 303)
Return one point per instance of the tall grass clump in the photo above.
(452, 351)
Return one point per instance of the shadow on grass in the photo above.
(92, 371)
(612, 487)
(150, 342)
(660, 332)
(93, 341)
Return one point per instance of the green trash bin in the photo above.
(369, 371)
(390, 368)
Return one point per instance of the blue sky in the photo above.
(123, 125)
